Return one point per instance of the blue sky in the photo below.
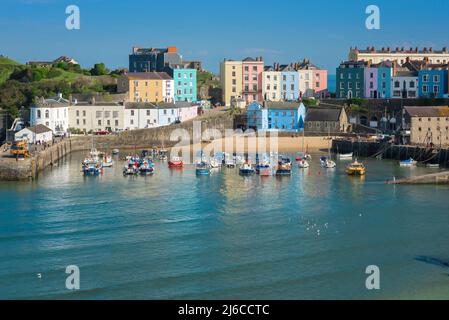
(279, 30)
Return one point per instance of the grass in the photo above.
(6, 68)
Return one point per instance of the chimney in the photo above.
(395, 67)
(416, 50)
(59, 95)
(444, 49)
(397, 49)
(430, 49)
(92, 101)
(389, 49)
(425, 50)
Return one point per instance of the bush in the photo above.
(54, 73)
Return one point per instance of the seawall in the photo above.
(391, 151)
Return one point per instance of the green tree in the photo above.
(99, 69)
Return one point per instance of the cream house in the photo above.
(231, 75)
(97, 116)
(271, 84)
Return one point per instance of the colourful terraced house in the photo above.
(276, 116)
(433, 81)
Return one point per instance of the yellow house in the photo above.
(231, 80)
(147, 87)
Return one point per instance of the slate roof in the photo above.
(40, 128)
(323, 114)
(427, 112)
(282, 105)
(148, 76)
(159, 105)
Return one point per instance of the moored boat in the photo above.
(284, 167)
(131, 168)
(163, 155)
(264, 169)
(146, 168)
(115, 151)
(107, 161)
(91, 167)
(175, 162)
(433, 165)
(303, 164)
(408, 163)
(246, 168)
(327, 163)
(345, 156)
(202, 168)
(356, 169)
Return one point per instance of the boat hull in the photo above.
(202, 172)
(246, 172)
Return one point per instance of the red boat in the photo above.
(175, 162)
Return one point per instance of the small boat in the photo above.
(327, 163)
(284, 167)
(92, 167)
(303, 156)
(264, 169)
(163, 155)
(175, 162)
(115, 152)
(94, 154)
(239, 159)
(146, 168)
(433, 165)
(303, 164)
(345, 156)
(408, 163)
(214, 163)
(229, 161)
(107, 161)
(246, 168)
(202, 168)
(130, 168)
(356, 169)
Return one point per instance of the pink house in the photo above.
(319, 82)
(252, 79)
(187, 111)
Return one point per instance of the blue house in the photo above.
(433, 81)
(384, 79)
(185, 82)
(276, 116)
(289, 83)
(257, 116)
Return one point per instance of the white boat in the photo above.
(327, 163)
(345, 156)
(247, 168)
(94, 154)
(433, 165)
(115, 151)
(408, 163)
(303, 164)
(107, 161)
(214, 163)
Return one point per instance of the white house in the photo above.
(94, 116)
(405, 85)
(140, 115)
(52, 113)
(33, 134)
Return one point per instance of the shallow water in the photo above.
(175, 235)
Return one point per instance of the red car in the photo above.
(102, 133)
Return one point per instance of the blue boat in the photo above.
(92, 169)
(408, 163)
(247, 168)
(202, 169)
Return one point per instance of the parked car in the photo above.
(102, 133)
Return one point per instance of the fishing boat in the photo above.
(327, 163)
(284, 167)
(131, 168)
(356, 169)
(408, 163)
(303, 163)
(146, 168)
(246, 168)
(345, 156)
(92, 167)
(202, 168)
(175, 162)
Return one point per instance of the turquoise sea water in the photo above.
(177, 236)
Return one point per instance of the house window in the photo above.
(132, 112)
(84, 121)
(116, 122)
(77, 113)
(38, 114)
(425, 78)
(412, 84)
(436, 89)
(436, 78)
(99, 122)
(47, 114)
(397, 84)
(148, 112)
(425, 89)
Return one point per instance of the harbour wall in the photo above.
(391, 151)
